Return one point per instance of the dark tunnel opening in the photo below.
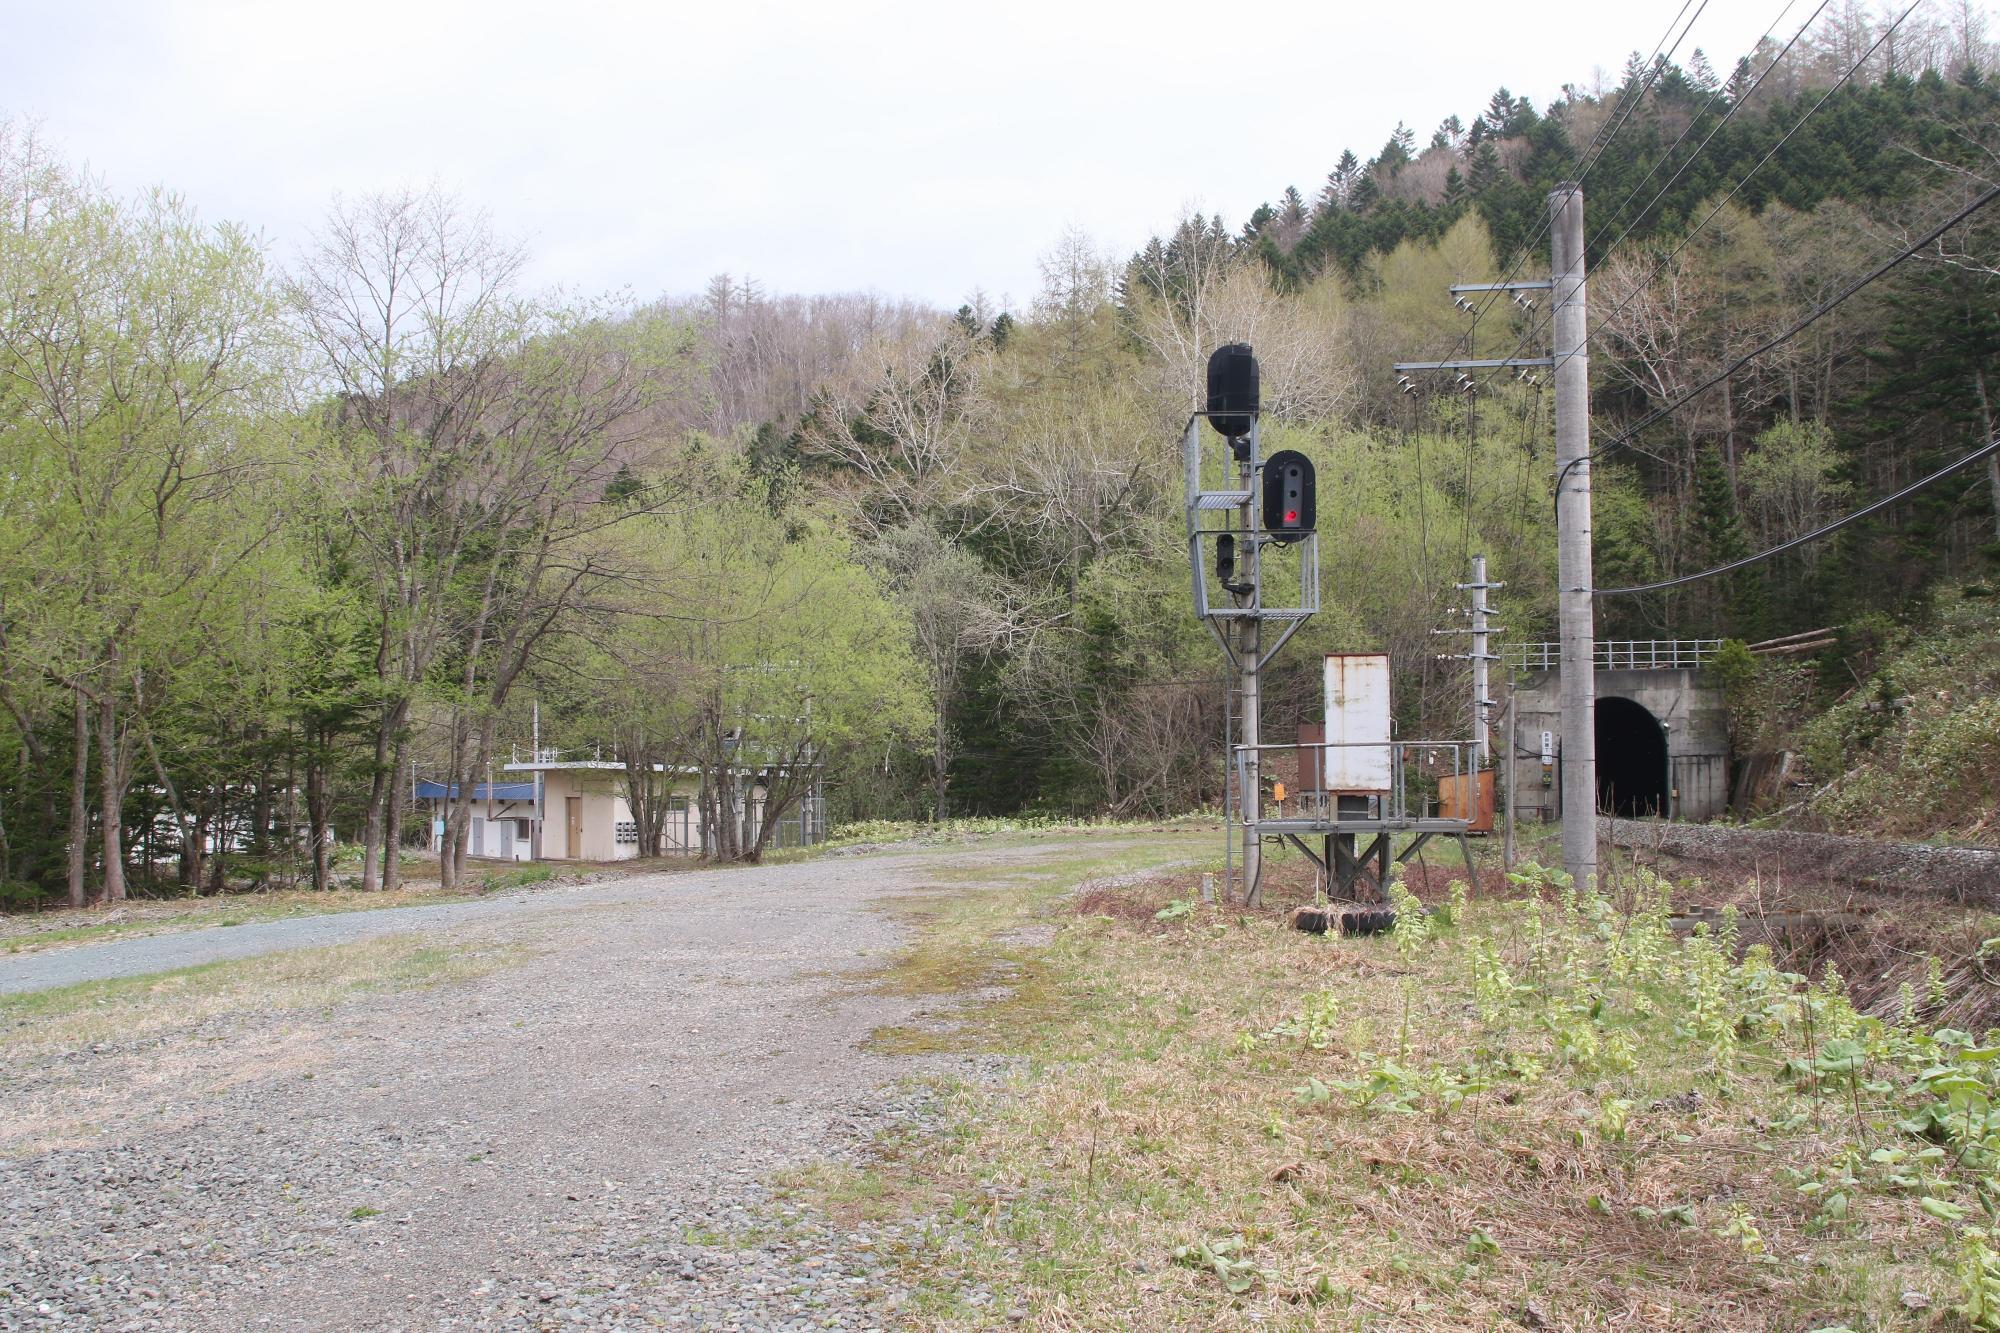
(1631, 761)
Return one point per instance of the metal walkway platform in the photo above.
(1346, 861)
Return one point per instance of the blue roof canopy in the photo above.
(481, 791)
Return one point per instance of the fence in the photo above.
(1618, 655)
(1410, 772)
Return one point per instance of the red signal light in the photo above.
(1291, 516)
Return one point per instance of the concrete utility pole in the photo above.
(1577, 627)
(1250, 800)
(1482, 631)
(1507, 777)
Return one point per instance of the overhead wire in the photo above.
(1471, 451)
(1416, 435)
(1989, 448)
(1536, 329)
(1624, 438)
(1718, 127)
(1581, 165)
(1734, 190)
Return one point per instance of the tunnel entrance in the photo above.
(1631, 761)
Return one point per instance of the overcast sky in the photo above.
(909, 149)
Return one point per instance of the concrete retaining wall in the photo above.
(1688, 709)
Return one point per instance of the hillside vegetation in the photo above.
(1914, 750)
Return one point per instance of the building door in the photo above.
(573, 825)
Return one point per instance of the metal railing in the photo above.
(1401, 765)
(1618, 655)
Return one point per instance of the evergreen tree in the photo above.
(1735, 603)
(1395, 154)
(1702, 74)
(1339, 182)
(1366, 193)
(1485, 170)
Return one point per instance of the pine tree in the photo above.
(1485, 169)
(1702, 74)
(1365, 195)
(1735, 602)
(1339, 183)
(1395, 154)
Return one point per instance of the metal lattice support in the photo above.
(1235, 599)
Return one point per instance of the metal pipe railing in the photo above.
(1395, 796)
(1619, 655)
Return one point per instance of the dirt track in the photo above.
(574, 1139)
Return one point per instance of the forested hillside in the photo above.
(280, 532)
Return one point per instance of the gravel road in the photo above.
(580, 1139)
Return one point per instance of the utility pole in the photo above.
(1577, 627)
(1569, 358)
(1479, 752)
(1507, 779)
(1250, 799)
(1482, 631)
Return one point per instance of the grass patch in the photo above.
(1544, 1110)
(984, 949)
(156, 916)
(518, 879)
(125, 1007)
(153, 916)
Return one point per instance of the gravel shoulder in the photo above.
(580, 1138)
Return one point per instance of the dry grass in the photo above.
(131, 1057)
(33, 932)
(1168, 1102)
(28, 932)
(126, 1009)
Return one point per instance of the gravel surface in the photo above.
(1967, 874)
(583, 1139)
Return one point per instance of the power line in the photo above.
(1728, 116)
(1695, 156)
(1582, 164)
(1990, 447)
(1471, 453)
(1658, 414)
(1734, 190)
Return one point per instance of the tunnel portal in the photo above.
(1631, 761)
